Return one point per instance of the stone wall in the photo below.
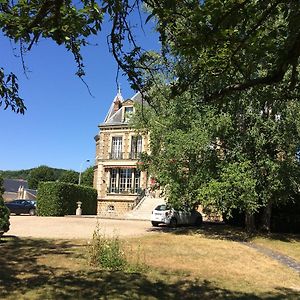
(114, 208)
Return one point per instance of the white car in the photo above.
(163, 214)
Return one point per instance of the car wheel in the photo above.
(154, 224)
(173, 222)
(32, 212)
(198, 221)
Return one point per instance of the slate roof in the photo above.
(111, 112)
(12, 185)
(137, 98)
(116, 117)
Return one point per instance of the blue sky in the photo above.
(61, 120)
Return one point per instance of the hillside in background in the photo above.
(23, 174)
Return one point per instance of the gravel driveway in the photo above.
(74, 227)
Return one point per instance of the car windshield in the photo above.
(162, 207)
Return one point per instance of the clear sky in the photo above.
(61, 120)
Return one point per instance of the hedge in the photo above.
(59, 199)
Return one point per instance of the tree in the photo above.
(222, 91)
(233, 35)
(224, 113)
(69, 176)
(26, 22)
(239, 156)
(4, 212)
(40, 174)
(87, 177)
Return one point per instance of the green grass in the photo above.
(181, 264)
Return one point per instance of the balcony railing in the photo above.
(122, 155)
(116, 155)
(136, 191)
(135, 155)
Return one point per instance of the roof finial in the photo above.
(119, 89)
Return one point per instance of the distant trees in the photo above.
(20, 174)
(87, 177)
(69, 176)
(44, 173)
(40, 174)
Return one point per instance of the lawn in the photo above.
(286, 244)
(179, 264)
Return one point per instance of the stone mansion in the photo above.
(120, 184)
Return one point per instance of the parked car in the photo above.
(164, 214)
(20, 206)
(32, 202)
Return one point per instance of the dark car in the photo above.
(32, 202)
(20, 206)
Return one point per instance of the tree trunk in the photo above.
(266, 217)
(250, 222)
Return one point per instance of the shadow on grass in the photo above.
(224, 232)
(283, 237)
(22, 275)
(209, 230)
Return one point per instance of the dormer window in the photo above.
(128, 111)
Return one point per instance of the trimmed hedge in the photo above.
(59, 199)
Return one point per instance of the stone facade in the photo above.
(117, 179)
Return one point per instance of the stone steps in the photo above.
(144, 209)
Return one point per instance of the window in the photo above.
(113, 181)
(128, 111)
(125, 180)
(136, 147)
(116, 147)
(137, 180)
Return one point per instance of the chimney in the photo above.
(117, 104)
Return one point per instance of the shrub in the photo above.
(59, 199)
(112, 254)
(4, 212)
(106, 252)
(4, 217)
